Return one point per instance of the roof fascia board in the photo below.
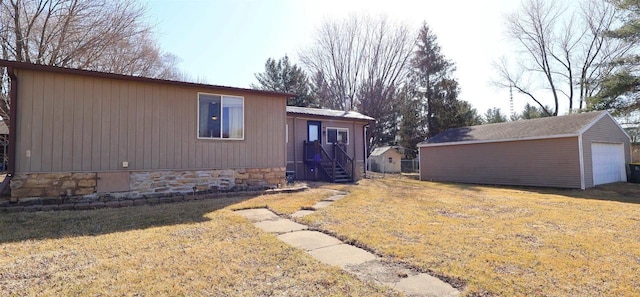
(91, 73)
(306, 116)
(382, 151)
(620, 127)
(497, 140)
(606, 113)
(593, 122)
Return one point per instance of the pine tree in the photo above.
(494, 115)
(433, 76)
(430, 69)
(411, 130)
(467, 115)
(532, 112)
(620, 91)
(282, 76)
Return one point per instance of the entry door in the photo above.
(608, 163)
(314, 131)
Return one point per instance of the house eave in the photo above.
(91, 73)
(336, 118)
(497, 140)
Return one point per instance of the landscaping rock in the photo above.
(50, 207)
(97, 204)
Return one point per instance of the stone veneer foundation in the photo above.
(146, 183)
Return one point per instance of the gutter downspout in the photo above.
(366, 150)
(13, 100)
(295, 148)
(355, 155)
(13, 112)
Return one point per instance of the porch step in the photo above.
(341, 175)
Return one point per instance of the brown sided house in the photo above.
(78, 133)
(573, 151)
(324, 144)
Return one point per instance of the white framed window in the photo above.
(220, 117)
(337, 135)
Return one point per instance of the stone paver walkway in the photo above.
(332, 251)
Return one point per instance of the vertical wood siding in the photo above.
(291, 145)
(76, 123)
(548, 162)
(604, 130)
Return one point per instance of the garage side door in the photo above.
(608, 163)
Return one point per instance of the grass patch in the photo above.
(505, 241)
(192, 248)
(286, 203)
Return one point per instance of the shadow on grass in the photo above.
(466, 187)
(619, 192)
(21, 226)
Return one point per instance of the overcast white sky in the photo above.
(226, 42)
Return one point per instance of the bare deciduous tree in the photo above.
(102, 35)
(565, 50)
(359, 64)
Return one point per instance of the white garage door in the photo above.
(608, 163)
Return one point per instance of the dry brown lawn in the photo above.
(184, 249)
(499, 241)
(495, 240)
(286, 203)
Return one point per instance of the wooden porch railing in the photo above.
(329, 164)
(343, 160)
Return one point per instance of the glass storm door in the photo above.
(313, 131)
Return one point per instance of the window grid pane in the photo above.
(209, 126)
(332, 135)
(338, 135)
(220, 117)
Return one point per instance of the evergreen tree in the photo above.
(411, 130)
(620, 91)
(431, 71)
(467, 115)
(494, 115)
(282, 76)
(438, 90)
(449, 112)
(532, 112)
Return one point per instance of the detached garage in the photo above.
(574, 151)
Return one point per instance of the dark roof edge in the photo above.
(425, 144)
(290, 113)
(582, 130)
(56, 69)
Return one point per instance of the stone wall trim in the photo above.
(145, 183)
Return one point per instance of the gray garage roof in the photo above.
(328, 113)
(550, 127)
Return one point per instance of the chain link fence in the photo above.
(410, 166)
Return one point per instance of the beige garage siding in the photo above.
(607, 131)
(549, 162)
(93, 124)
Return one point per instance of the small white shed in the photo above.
(386, 159)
